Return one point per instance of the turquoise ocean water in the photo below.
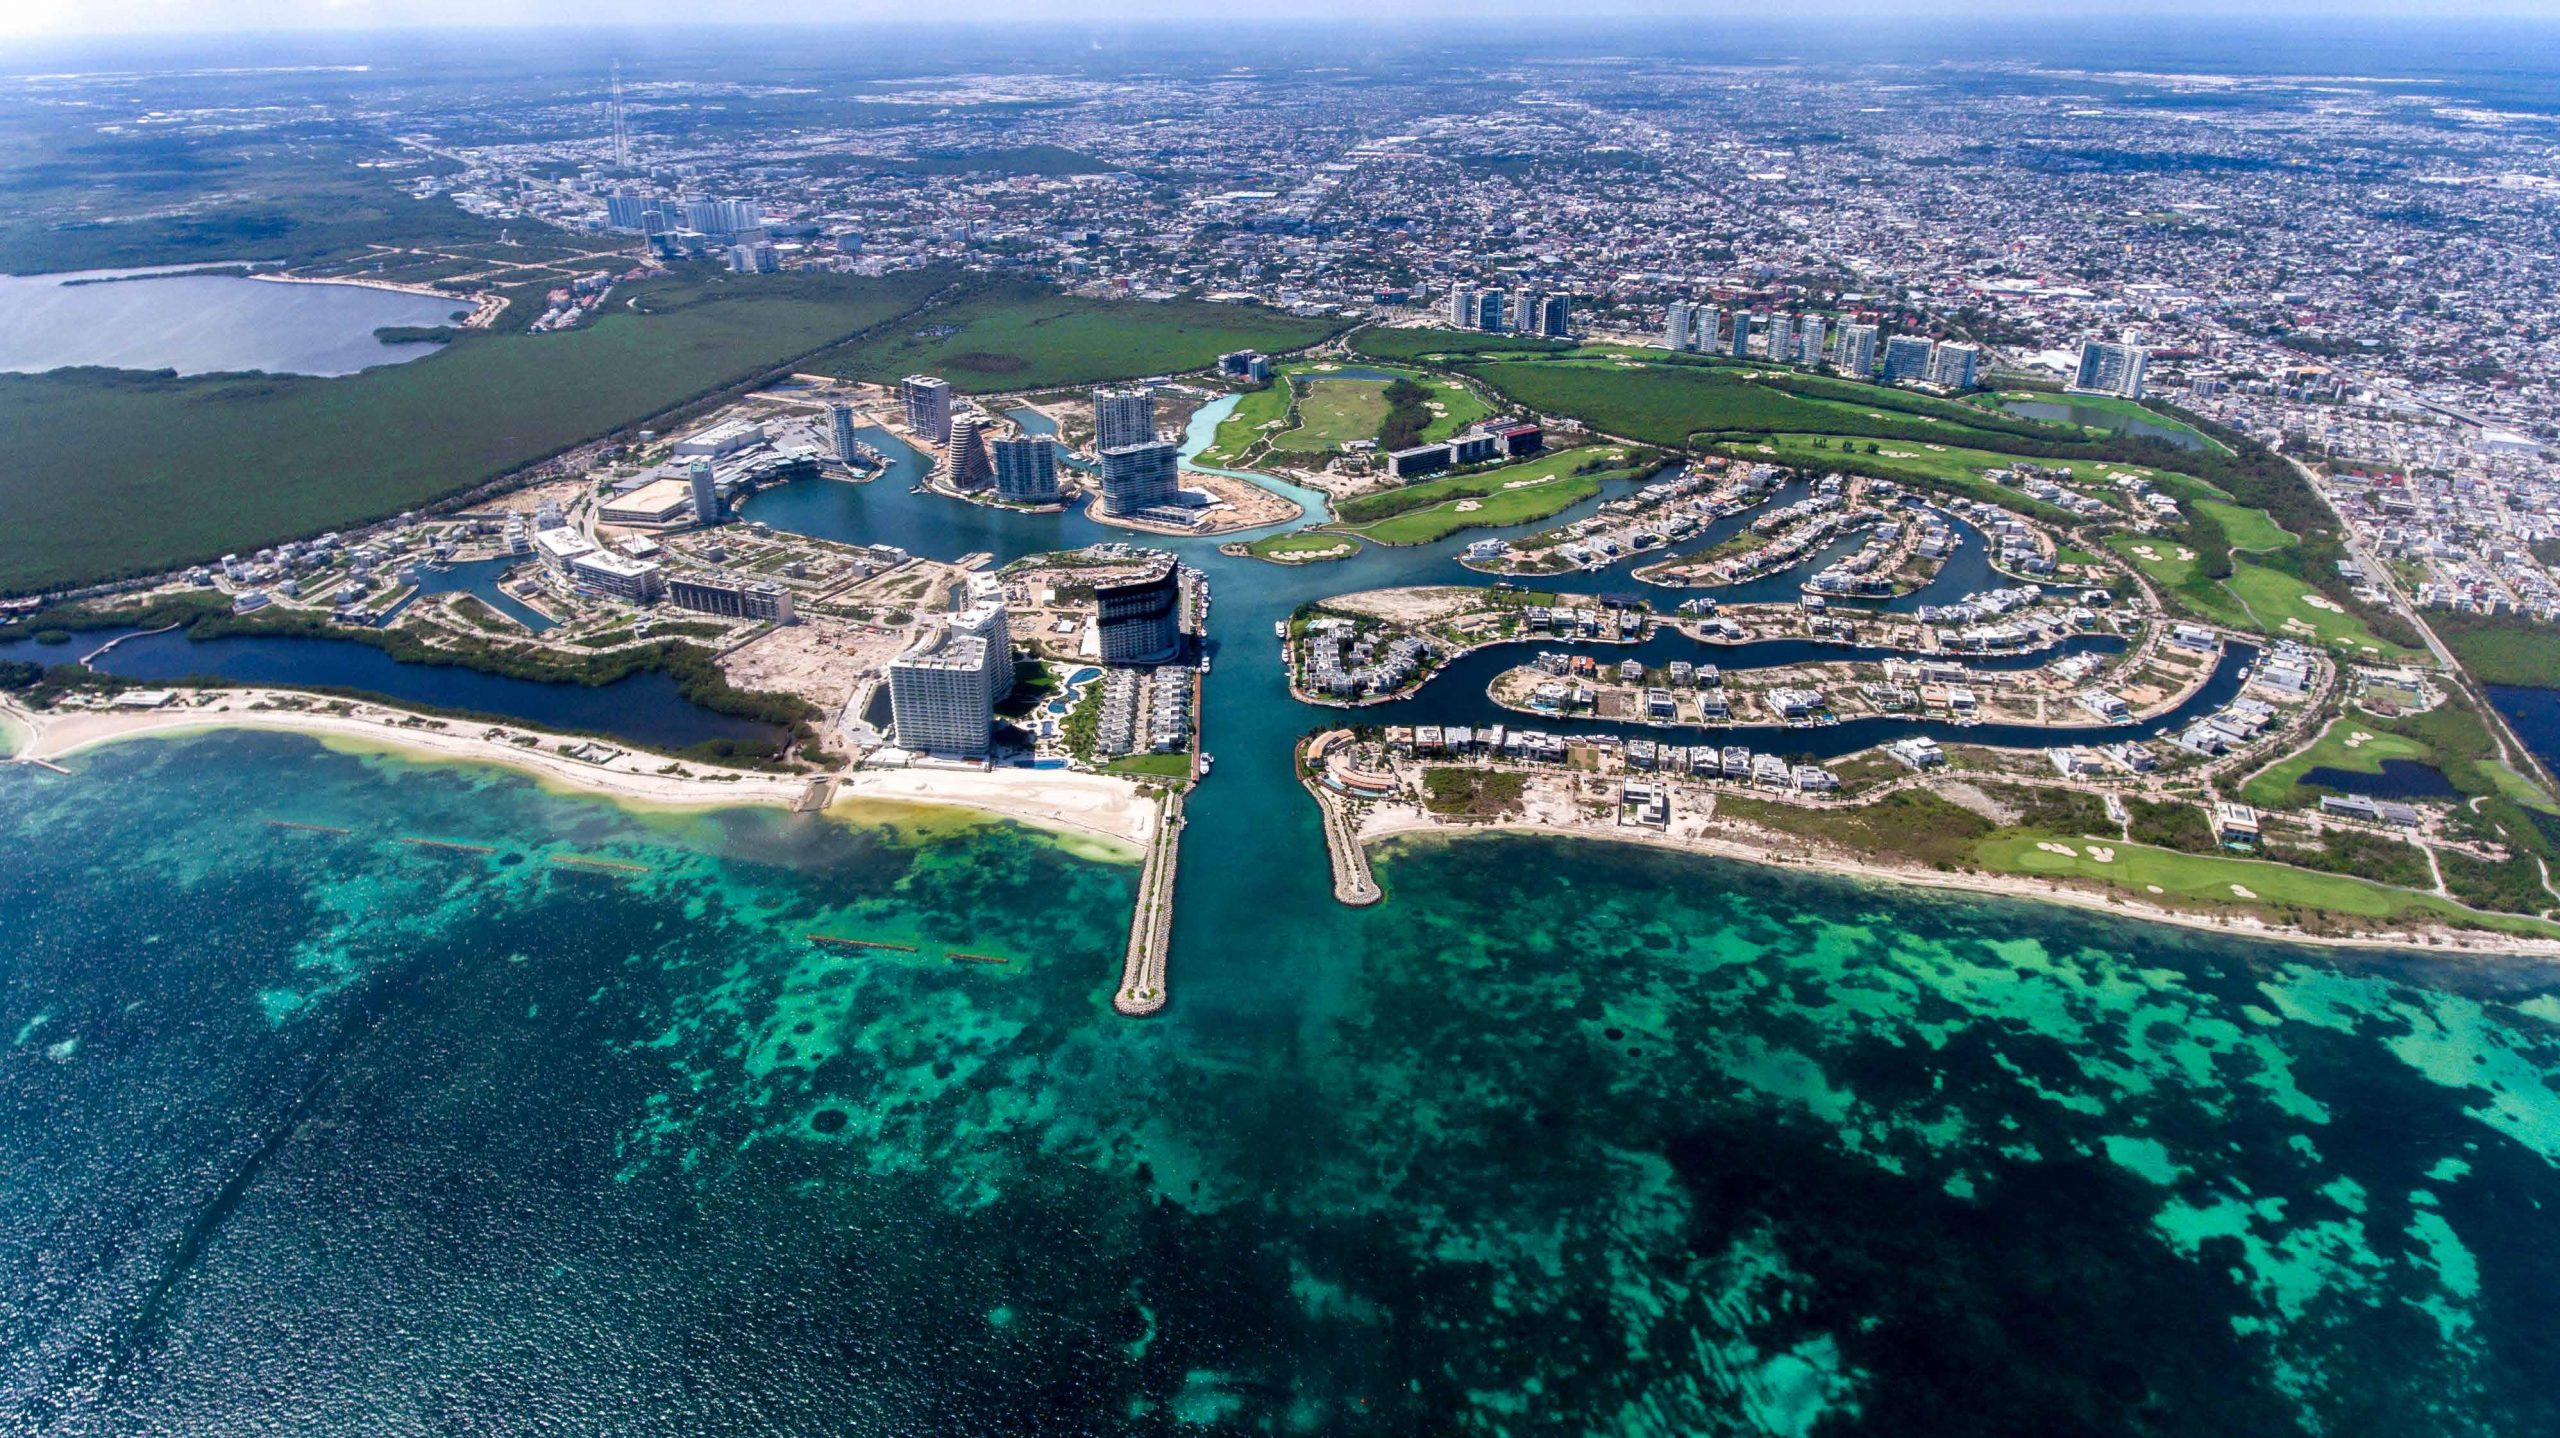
(337, 1133)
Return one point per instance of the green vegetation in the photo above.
(2112, 411)
(2513, 886)
(2291, 895)
(91, 196)
(1333, 411)
(1948, 467)
(2353, 744)
(1474, 795)
(2283, 604)
(1016, 336)
(1083, 726)
(1247, 424)
(1509, 494)
(1665, 402)
(2260, 592)
(2249, 529)
(1460, 409)
(2170, 824)
(1397, 346)
(109, 473)
(1152, 766)
(2502, 649)
(1304, 547)
(1907, 826)
(2381, 858)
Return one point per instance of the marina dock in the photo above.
(1142, 975)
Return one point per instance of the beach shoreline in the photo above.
(2478, 943)
(1087, 806)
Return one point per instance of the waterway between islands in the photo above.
(1249, 719)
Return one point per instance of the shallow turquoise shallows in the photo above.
(357, 1135)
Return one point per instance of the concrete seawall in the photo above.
(1142, 973)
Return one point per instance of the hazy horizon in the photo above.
(182, 18)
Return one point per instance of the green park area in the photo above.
(112, 473)
(1509, 494)
(1308, 413)
(1015, 336)
(1401, 346)
(1256, 415)
(1333, 411)
(1306, 546)
(1667, 401)
(2098, 412)
(2256, 595)
(2225, 882)
(2352, 744)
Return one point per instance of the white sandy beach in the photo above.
(1092, 804)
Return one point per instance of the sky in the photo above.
(65, 18)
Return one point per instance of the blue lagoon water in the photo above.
(199, 324)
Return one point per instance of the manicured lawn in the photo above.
(1153, 766)
(2280, 787)
(2106, 410)
(2207, 880)
(1459, 409)
(1012, 336)
(1513, 494)
(1333, 412)
(1245, 425)
(2254, 597)
(110, 473)
(1662, 401)
(1304, 547)
(2173, 567)
(2247, 528)
(2285, 606)
(1397, 345)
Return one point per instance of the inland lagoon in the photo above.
(208, 323)
(404, 1097)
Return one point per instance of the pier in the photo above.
(1142, 981)
(450, 844)
(1353, 884)
(307, 828)
(43, 764)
